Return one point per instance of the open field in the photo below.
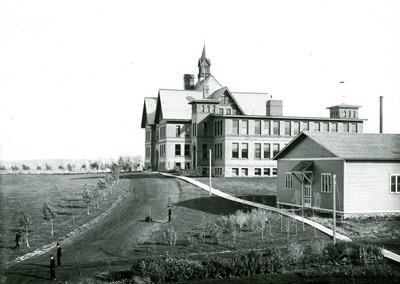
(29, 192)
(122, 238)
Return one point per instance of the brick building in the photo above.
(244, 130)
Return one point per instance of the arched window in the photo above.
(213, 109)
(349, 113)
(344, 114)
(208, 108)
(202, 108)
(354, 114)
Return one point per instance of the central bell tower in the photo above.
(204, 65)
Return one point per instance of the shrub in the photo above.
(295, 253)
(170, 236)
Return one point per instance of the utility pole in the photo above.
(334, 209)
(209, 170)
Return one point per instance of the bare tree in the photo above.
(48, 167)
(101, 187)
(25, 222)
(49, 214)
(38, 168)
(88, 196)
(25, 167)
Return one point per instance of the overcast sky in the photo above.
(73, 74)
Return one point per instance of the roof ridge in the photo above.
(180, 90)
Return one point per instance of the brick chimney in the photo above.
(188, 82)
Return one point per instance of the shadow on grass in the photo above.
(269, 200)
(130, 175)
(213, 205)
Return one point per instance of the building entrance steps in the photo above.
(386, 253)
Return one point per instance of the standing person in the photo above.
(18, 237)
(58, 255)
(169, 213)
(52, 268)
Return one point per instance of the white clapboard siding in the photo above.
(367, 187)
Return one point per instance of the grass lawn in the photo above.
(257, 189)
(196, 210)
(29, 192)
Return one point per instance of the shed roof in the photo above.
(353, 146)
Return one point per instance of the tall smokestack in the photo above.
(381, 114)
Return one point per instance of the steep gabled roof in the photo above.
(174, 104)
(252, 103)
(223, 91)
(352, 146)
(149, 111)
(211, 82)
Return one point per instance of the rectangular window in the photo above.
(287, 127)
(178, 131)
(325, 127)
(226, 100)
(257, 171)
(245, 151)
(244, 171)
(275, 149)
(326, 183)
(228, 111)
(333, 127)
(267, 151)
(354, 128)
(194, 125)
(257, 151)
(147, 152)
(205, 148)
(235, 150)
(395, 183)
(235, 172)
(257, 127)
(275, 129)
(187, 150)
(204, 128)
(177, 149)
(296, 128)
(267, 171)
(306, 126)
(148, 135)
(187, 130)
(289, 180)
(316, 126)
(220, 127)
(244, 127)
(345, 127)
(266, 127)
(235, 126)
(274, 171)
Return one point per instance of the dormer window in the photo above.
(208, 108)
(202, 108)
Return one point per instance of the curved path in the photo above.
(110, 242)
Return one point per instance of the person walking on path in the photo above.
(18, 237)
(169, 213)
(58, 255)
(52, 268)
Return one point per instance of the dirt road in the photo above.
(109, 244)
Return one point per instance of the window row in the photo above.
(257, 171)
(213, 109)
(178, 130)
(178, 150)
(162, 150)
(241, 150)
(218, 150)
(290, 128)
(218, 127)
(326, 182)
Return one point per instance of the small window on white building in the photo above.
(244, 171)
(326, 183)
(395, 183)
(235, 172)
(289, 180)
(257, 171)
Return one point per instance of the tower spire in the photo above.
(204, 64)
